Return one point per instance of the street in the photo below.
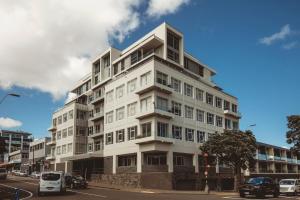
(28, 188)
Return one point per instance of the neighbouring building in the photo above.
(276, 162)
(39, 150)
(17, 148)
(140, 116)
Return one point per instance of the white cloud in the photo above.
(6, 122)
(157, 8)
(290, 45)
(71, 96)
(281, 35)
(46, 45)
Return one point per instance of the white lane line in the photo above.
(89, 194)
(30, 193)
(147, 192)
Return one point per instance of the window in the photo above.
(189, 134)
(71, 114)
(120, 135)
(200, 115)
(70, 147)
(193, 66)
(176, 84)
(146, 104)
(173, 46)
(120, 113)
(109, 138)
(218, 102)
(81, 114)
(132, 132)
(64, 133)
(106, 61)
(189, 112)
(131, 109)
(235, 125)
(176, 108)
(161, 78)
(146, 129)
(131, 85)
(209, 99)
(162, 129)
(109, 96)
(58, 135)
(65, 117)
(97, 67)
(200, 136)
(162, 103)
(145, 79)
(234, 108)
(210, 118)
(199, 94)
(54, 122)
(90, 147)
(120, 91)
(226, 105)
(136, 56)
(109, 117)
(59, 119)
(227, 124)
(126, 161)
(156, 159)
(219, 121)
(188, 90)
(64, 149)
(98, 145)
(176, 132)
(58, 150)
(70, 131)
(178, 160)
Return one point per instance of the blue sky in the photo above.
(225, 35)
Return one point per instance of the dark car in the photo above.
(76, 181)
(259, 187)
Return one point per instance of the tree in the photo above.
(293, 134)
(235, 149)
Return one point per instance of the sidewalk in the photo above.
(156, 191)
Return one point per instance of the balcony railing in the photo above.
(262, 156)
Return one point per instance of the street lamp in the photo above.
(206, 189)
(9, 94)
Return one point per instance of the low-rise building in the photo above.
(39, 150)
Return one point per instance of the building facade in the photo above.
(276, 162)
(17, 147)
(39, 150)
(140, 116)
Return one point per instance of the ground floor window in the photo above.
(178, 160)
(126, 161)
(156, 159)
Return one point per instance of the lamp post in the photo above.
(9, 94)
(206, 189)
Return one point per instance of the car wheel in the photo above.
(242, 194)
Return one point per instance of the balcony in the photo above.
(261, 156)
(270, 157)
(52, 128)
(97, 98)
(167, 89)
(155, 112)
(277, 158)
(97, 115)
(52, 142)
(96, 134)
(50, 157)
(233, 114)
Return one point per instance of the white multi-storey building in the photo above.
(141, 115)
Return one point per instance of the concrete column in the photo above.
(170, 161)
(22, 142)
(69, 167)
(139, 161)
(115, 164)
(196, 162)
(9, 144)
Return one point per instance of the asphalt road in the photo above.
(28, 189)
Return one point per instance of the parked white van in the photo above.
(289, 186)
(52, 182)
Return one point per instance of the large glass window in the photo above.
(156, 159)
(210, 118)
(64, 133)
(189, 134)
(132, 132)
(146, 104)
(219, 121)
(131, 109)
(131, 85)
(120, 135)
(176, 108)
(199, 94)
(188, 90)
(178, 160)
(65, 117)
(200, 115)
(227, 124)
(218, 102)
(106, 61)
(189, 112)
(173, 46)
(145, 79)
(162, 103)
(136, 56)
(226, 105)
(120, 112)
(176, 84)
(200, 136)
(162, 129)
(161, 78)
(109, 117)
(146, 129)
(209, 99)
(177, 132)
(109, 138)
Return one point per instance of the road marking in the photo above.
(30, 193)
(90, 194)
(147, 192)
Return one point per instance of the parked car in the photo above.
(52, 182)
(35, 175)
(3, 173)
(259, 187)
(76, 181)
(289, 186)
(15, 172)
(24, 174)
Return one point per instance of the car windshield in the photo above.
(287, 182)
(255, 181)
(51, 177)
(2, 170)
